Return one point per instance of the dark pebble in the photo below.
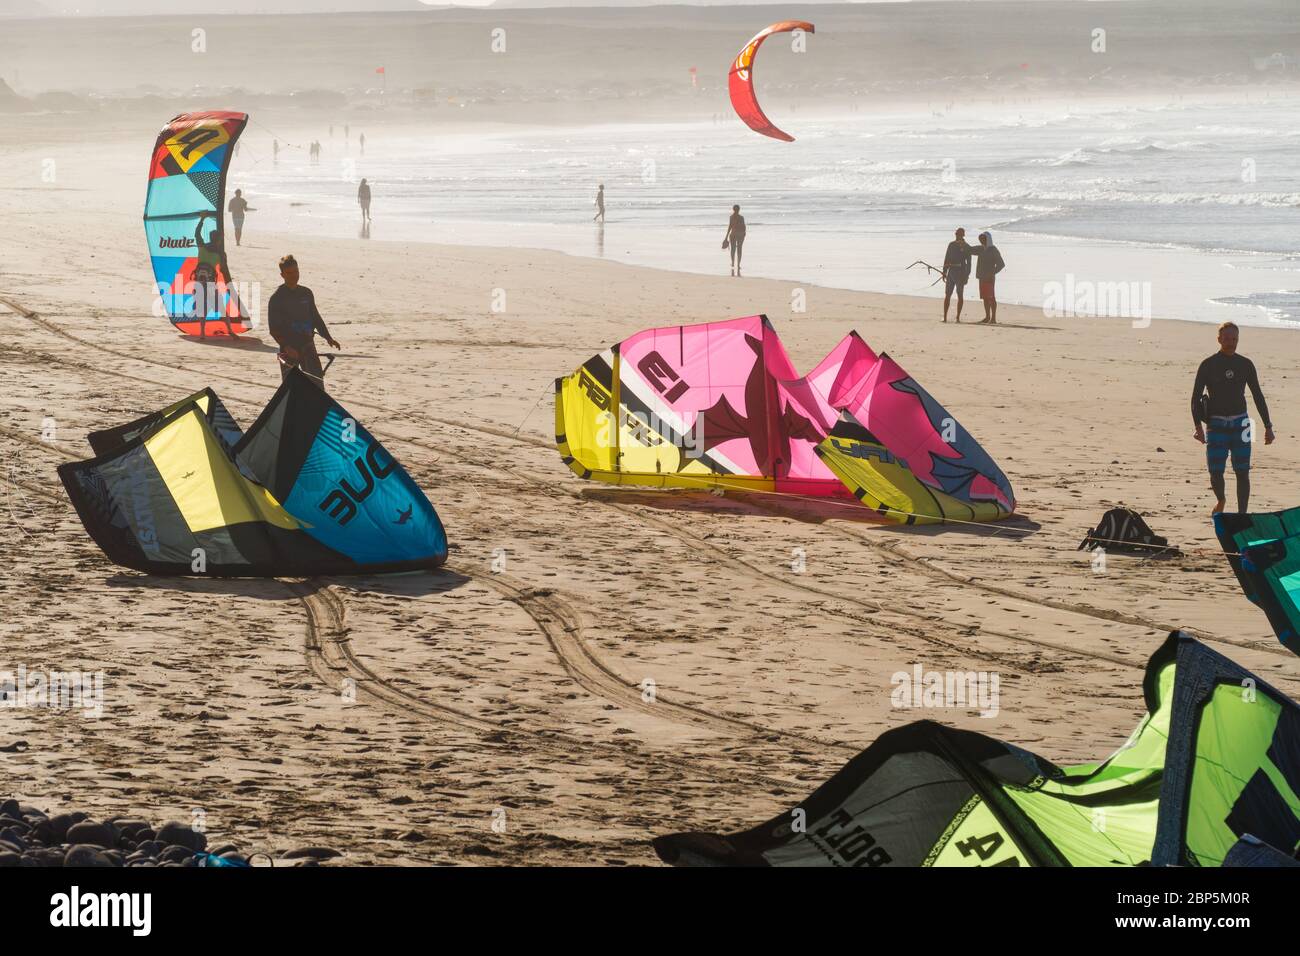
(178, 834)
(175, 854)
(15, 843)
(132, 828)
(151, 848)
(95, 834)
(81, 854)
(62, 821)
(10, 859)
(413, 836)
(42, 832)
(10, 808)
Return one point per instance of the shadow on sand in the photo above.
(808, 510)
(407, 584)
(240, 343)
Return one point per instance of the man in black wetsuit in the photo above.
(293, 321)
(1224, 378)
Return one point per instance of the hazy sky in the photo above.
(144, 7)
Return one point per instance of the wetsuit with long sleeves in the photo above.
(1223, 378)
(293, 321)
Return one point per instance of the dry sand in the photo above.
(522, 691)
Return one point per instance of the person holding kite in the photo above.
(294, 321)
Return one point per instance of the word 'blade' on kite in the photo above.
(183, 222)
(740, 80)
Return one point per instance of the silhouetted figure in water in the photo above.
(275, 150)
(735, 238)
(600, 205)
(363, 200)
(363, 144)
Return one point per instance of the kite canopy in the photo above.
(1264, 551)
(222, 422)
(905, 456)
(740, 80)
(700, 406)
(720, 406)
(168, 496)
(183, 215)
(348, 491)
(1209, 763)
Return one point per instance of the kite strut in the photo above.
(922, 262)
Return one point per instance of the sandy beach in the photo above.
(498, 712)
(599, 665)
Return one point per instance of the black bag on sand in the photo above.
(1124, 531)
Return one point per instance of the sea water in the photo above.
(1182, 210)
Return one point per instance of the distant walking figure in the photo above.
(990, 265)
(1219, 400)
(600, 204)
(237, 207)
(275, 150)
(735, 238)
(363, 144)
(363, 199)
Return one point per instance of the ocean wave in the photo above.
(1017, 194)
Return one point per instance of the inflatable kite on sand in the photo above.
(183, 215)
(305, 491)
(1208, 765)
(740, 80)
(720, 405)
(1264, 552)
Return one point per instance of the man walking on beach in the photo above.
(956, 271)
(237, 207)
(735, 238)
(600, 205)
(990, 265)
(363, 199)
(1219, 400)
(293, 321)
